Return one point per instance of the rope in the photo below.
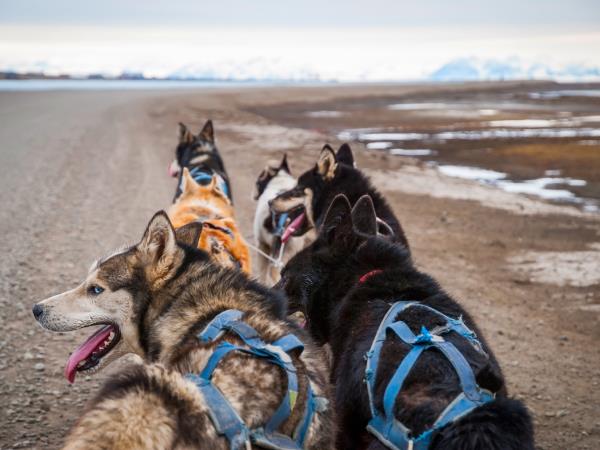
(277, 263)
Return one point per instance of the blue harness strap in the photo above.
(383, 424)
(204, 176)
(280, 226)
(224, 417)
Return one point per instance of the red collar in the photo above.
(368, 275)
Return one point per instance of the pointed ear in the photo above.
(337, 227)
(284, 164)
(344, 155)
(216, 188)
(207, 132)
(187, 182)
(364, 218)
(185, 136)
(158, 247)
(327, 163)
(189, 234)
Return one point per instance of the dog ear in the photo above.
(327, 163)
(344, 155)
(189, 234)
(207, 132)
(364, 218)
(187, 181)
(185, 136)
(284, 164)
(337, 228)
(158, 247)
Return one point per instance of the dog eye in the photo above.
(95, 290)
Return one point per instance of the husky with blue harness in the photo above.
(201, 156)
(223, 368)
(410, 368)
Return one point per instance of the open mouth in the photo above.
(87, 357)
(291, 223)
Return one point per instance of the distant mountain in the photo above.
(473, 69)
(290, 69)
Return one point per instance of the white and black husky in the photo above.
(275, 179)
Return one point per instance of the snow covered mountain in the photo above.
(472, 69)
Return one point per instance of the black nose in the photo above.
(37, 311)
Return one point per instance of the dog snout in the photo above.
(37, 310)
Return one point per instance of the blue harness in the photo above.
(204, 176)
(224, 417)
(392, 433)
(280, 226)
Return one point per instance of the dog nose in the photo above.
(37, 311)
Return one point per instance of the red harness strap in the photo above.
(368, 275)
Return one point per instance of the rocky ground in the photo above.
(82, 172)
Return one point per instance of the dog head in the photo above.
(193, 150)
(119, 294)
(199, 201)
(313, 276)
(268, 173)
(306, 196)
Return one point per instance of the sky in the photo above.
(345, 40)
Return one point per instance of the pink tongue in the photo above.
(292, 227)
(171, 170)
(85, 350)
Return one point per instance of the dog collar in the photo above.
(368, 275)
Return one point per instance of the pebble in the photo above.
(28, 355)
(39, 367)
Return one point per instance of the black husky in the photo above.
(333, 174)
(201, 156)
(345, 282)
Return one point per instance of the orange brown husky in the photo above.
(208, 204)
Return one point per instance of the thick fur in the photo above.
(275, 179)
(323, 281)
(198, 151)
(335, 174)
(220, 236)
(161, 293)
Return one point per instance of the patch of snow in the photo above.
(412, 106)
(471, 173)
(576, 268)
(549, 95)
(324, 114)
(523, 123)
(379, 145)
(469, 135)
(540, 187)
(391, 136)
(552, 173)
(411, 151)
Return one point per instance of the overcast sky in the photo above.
(339, 39)
(304, 13)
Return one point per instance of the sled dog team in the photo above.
(227, 364)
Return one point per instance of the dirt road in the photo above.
(82, 172)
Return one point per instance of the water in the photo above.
(70, 85)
